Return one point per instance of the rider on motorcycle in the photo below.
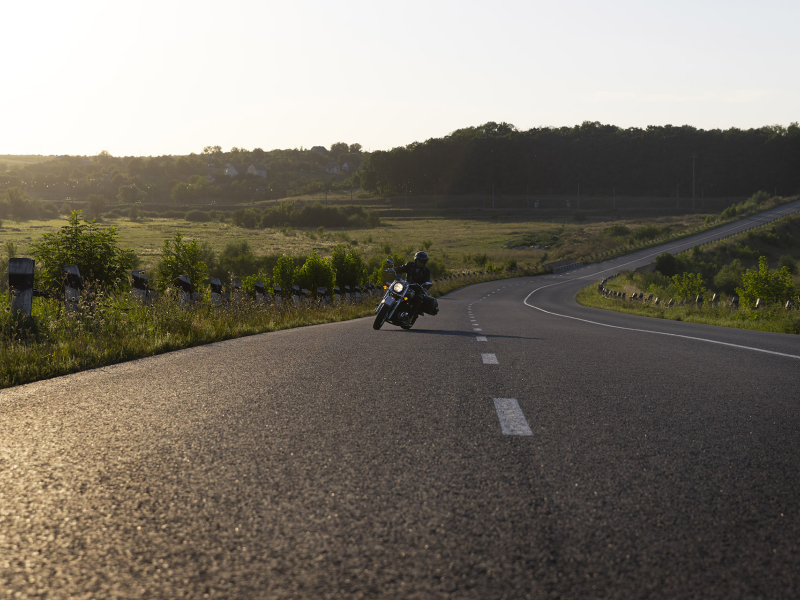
(416, 272)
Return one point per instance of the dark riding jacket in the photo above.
(420, 275)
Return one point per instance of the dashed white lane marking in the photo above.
(481, 338)
(512, 420)
(477, 329)
(489, 359)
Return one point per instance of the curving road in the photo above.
(517, 445)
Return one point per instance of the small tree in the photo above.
(96, 251)
(770, 286)
(348, 266)
(315, 272)
(689, 285)
(181, 258)
(283, 274)
(97, 206)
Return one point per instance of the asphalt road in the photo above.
(641, 459)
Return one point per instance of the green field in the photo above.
(453, 241)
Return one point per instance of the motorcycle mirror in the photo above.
(390, 261)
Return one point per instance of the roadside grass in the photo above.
(772, 318)
(117, 329)
(53, 343)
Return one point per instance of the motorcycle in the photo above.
(396, 304)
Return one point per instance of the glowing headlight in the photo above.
(398, 287)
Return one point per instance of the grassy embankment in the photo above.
(721, 266)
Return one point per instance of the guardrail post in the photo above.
(216, 292)
(141, 288)
(236, 289)
(357, 296)
(277, 292)
(73, 284)
(185, 289)
(261, 292)
(296, 295)
(347, 294)
(20, 285)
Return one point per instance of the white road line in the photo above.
(489, 359)
(477, 329)
(512, 420)
(687, 337)
(481, 338)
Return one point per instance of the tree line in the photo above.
(598, 159)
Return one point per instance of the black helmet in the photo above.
(423, 256)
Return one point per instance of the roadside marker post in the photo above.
(20, 285)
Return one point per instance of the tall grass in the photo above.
(116, 329)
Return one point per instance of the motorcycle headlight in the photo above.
(398, 287)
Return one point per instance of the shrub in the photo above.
(689, 285)
(246, 218)
(283, 274)
(95, 251)
(729, 212)
(617, 230)
(481, 259)
(198, 216)
(315, 272)
(759, 197)
(180, 258)
(770, 286)
(729, 277)
(667, 264)
(348, 266)
(237, 258)
(646, 232)
(788, 262)
(96, 206)
(133, 213)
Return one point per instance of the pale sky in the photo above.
(169, 77)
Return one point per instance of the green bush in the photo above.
(617, 230)
(759, 197)
(788, 262)
(95, 251)
(315, 272)
(348, 266)
(688, 285)
(283, 274)
(198, 216)
(770, 286)
(179, 257)
(247, 218)
(667, 264)
(729, 213)
(729, 277)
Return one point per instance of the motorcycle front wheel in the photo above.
(380, 318)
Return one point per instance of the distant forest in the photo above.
(601, 159)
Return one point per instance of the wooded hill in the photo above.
(193, 179)
(601, 159)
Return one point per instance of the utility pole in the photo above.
(492, 196)
(579, 197)
(614, 198)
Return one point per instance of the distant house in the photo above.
(235, 170)
(257, 170)
(319, 150)
(332, 167)
(347, 167)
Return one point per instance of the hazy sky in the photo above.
(166, 77)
